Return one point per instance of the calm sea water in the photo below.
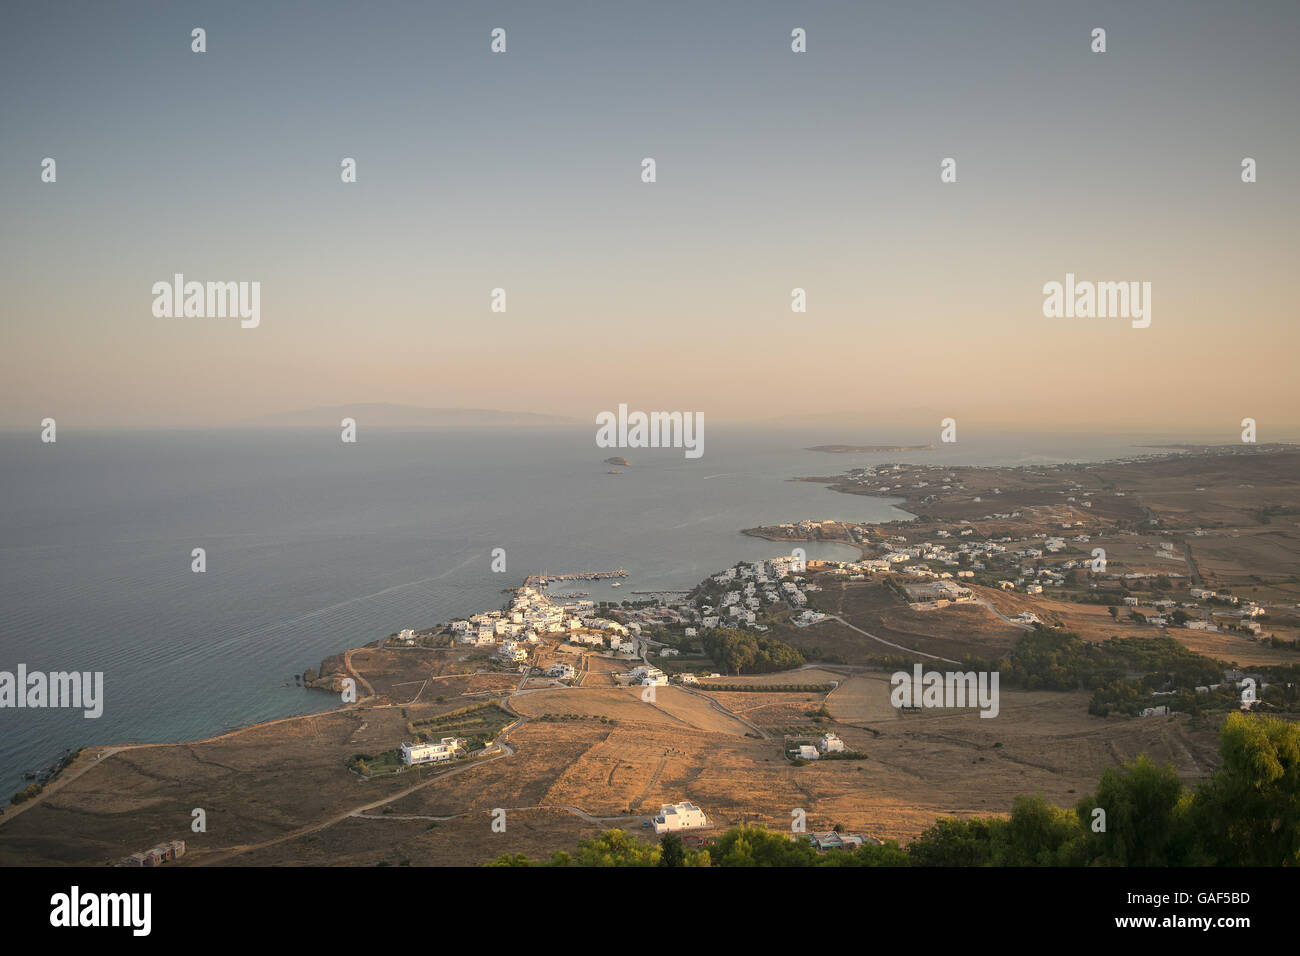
(314, 546)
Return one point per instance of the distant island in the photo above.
(618, 461)
(389, 415)
(857, 449)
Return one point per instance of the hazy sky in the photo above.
(775, 170)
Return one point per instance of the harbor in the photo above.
(542, 580)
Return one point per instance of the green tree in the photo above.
(1250, 808)
(888, 853)
(953, 842)
(671, 850)
(1038, 834)
(615, 848)
(755, 846)
(1146, 817)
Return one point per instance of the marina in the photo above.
(542, 580)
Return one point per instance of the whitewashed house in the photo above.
(830, 744)
(679, 816)
(413, 754)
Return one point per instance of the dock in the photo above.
(541, 580)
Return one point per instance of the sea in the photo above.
(314, 545)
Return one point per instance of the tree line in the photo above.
(740, 652)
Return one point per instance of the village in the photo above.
(542, 637)
(535, 631)
(1043, 557)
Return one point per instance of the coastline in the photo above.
(835, 483)
(1107, 498)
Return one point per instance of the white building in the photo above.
(830, 744)
(646, 675)
(679, 816)
(413, 754)
(511, 651)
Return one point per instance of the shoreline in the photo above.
(89, 755)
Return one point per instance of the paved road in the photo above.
(996, 613)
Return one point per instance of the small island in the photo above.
(618, 461)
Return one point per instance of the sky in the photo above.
(775, 170)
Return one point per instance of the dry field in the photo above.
(672, 706)
(1263, 562)
(601, 669)
(398, 672)
(394, 840)
(280, 793)
(770, 710)
(953, 632)
(254, 784)
(805, 675)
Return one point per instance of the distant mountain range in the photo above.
(387, 415)
(847, 449)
